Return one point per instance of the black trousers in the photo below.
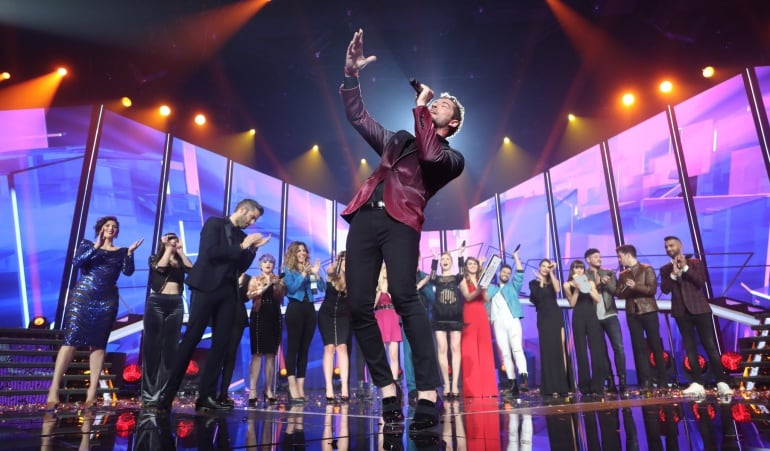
(217, 307)
(163, 314)
(300, 327)
(704, 324)
(228, 367)
(375, 237)
(639, 326)
(585, 327)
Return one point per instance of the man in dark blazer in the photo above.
(224, 253)
(386, 217)
(685, 279)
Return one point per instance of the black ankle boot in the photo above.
(524, 382)
(425, 415)
(621, 383)
(610, 385)
(514, 388)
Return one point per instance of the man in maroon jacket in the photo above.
(386, 217)
(685, 278)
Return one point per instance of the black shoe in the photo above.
(622, 384)
(515, 389)
(297, 401)
(164, 404)
(609, 385)
(392, 407)
(393, 437)
(252, 403)
(425, 415)
(226, 401)
(524, 385)
(208, 404)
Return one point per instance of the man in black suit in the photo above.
(225, 251)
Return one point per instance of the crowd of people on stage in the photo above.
(374, 291)
(465, 318)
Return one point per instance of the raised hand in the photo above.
(354, 57)
(136, 244)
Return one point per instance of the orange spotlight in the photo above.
(571, 117)
(164, 110)
(666, 86)
(315, 148)
(126, 102)
(5, 76)
(62, 71)
(506, 141)
(200, 119)
(708, 71)
(252, 132)
(628, 99)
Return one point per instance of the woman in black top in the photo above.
(334, 326)
(265, 328)
(163, 313)
(554, 374)
(448, 318)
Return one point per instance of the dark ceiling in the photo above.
(512, 64)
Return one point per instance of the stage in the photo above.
(658, 420)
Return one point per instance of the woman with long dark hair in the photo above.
(554, 373)
(93, 304)
(478, 359)
(163, 313)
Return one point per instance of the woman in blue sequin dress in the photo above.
(92, 304)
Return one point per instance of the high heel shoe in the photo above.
(344, 399)
(296, 401)
(252, 404)
(268, 399)
(329, 399)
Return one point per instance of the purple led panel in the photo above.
(649, 195)
(581, 206)
(729, 185)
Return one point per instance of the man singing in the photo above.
(685, 279)
(386, 217)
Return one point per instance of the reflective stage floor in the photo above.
(660, 421)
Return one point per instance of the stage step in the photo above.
(27, 360)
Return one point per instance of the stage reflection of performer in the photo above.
(519, 432)
(265, 327)
(586, 331)
(163, 314)
(562, 431)
(662, 421)
(554, 372)
(294, 436)
(607, 437)
(448, 318)
(685, 279)
(225, 252)
(505, 313)
(334, 327)
(637, 285)
(92, 304)
(331, 440)
(607, 313)
(453, 431)
(386, 217)
(152, 433)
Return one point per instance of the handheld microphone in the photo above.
(338, 267)
(517, 248)
(416, 85)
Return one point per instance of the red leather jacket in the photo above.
(410, 179)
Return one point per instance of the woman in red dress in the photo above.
(478, 362)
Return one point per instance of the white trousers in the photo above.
(509, 342)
